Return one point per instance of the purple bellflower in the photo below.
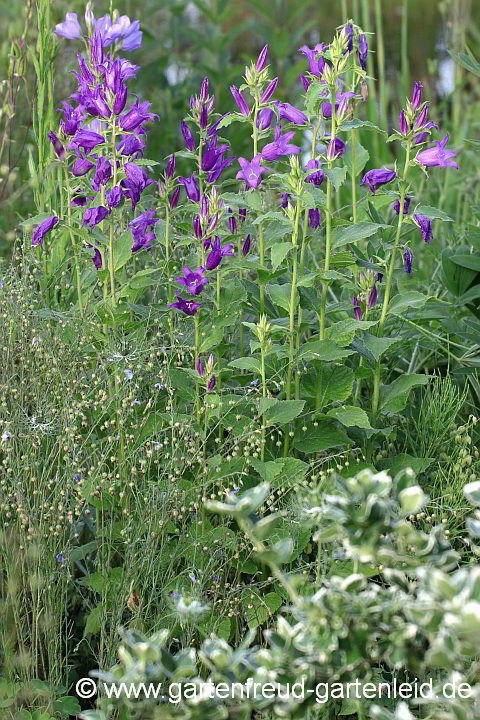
(135, 182)
(246, 245)
(372, 298)
(264, 119)
(140, 226)
(187, 136)
(137, 116)
(240, 101)
(349, 34)
(191, 188)
(95, 215)
(357, 310)
(281, 146)
(422, 136)
(363, 52)
(314, 218)
(425, 225)
(171, 166)
(285, 199)
(114, 197)
(189, 307)
(262, 59)
(86, 139)
(438, 156)
(211, 383)
(317, 177)
(214, 258)
(44, 228)
(72, 118)
(57, 145)
(81, 166)
(305, 81)
(339, 98)
(335, 149)
(200, 367)
(403, 123)
(407, 260)
(251, 171)
(194, 280)
(291, 113)
(103, 173)
(374, 178)
(130, 144)
(416, 95)
(97, 259)
(70, 28)
(174, 197)
(406, 205)
(422, 117)
(316, 62)
(269, 90)
(232, 222)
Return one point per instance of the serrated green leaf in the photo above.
(324, 350)
(412, 299)
(279, 253)
(432, 213)
(361, 158)
(343, 332)
(263, 608)
(337, 176)
(283, 412)
(402, 462)
(94, 621)
(246, 363)
(323, 437)
(378, 346)
(350, 416)
(355, 123)
(123, 249)
(393, 397)
(353, 233)
(280, 295)
(332, 382)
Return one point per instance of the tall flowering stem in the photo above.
(328, 231)
(261, 241)
(197, 361)
(73, 241)
(110, 241)
(388, 283)
(293, 301)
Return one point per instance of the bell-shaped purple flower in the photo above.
(200, 367)
(211, 383)
(422, 117)
(357, 310)
(291, 113)
(189, 307)
(130, 144)
(281, 146)
(406, 205)
(137, 116)
(246, 245)
(232, 222)
(197, 227)
(240, 101)
(305, 82)
(438, 156)
(403, 123)
(187, 136)
(285, 199)
(191, 188)
(242, 214)
(103, 173)
(264, 119)
(42, 229)
(86, 139)
(135, 182)
(203, 116)
(72, 118)
(81, 166)
(262, 59)
(171, 166)
(407, 260)
(349, 35)
(422, 136)
(214, 258)
(374, 178)
(95, 215)
(335, 149)
(416, 95)
(140, 230)
(317, 177)
(372, 298)
(204, 206)
(57, 145)
(174, 198)
(425, 225)
(97, 259)
(70, 28)
(316, 62)
(251, 171)
(114, 197)
(314, 218)
(363, 52)
(194, 280)
(269, 90)
(81, 200)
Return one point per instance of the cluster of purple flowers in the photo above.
(101, 108)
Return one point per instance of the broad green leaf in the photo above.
(376, 345)
(271, 214)
(284, 412)
(457, 278)
(246, 363)
(224, 628)
(123, 249)
(263, 608)
(144, 278)
(361, 158)
(466, 61)
(324, 350)
(336, 176)
(316, 439)
(229, 119)
(402, 462)
(432, 213)
(393, 397)
(350, 416)
(213, 338)
(355, 123)
(280, 295)
(94, 621)
(343, 332)
(472, 262)
(314, 197)
(347, 234)
(279, 253)
(333, 382)
(67, 705)
(401, 303)
(146, 161)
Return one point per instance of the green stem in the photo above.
(354, 175)
(111, 265)
(242, 329)
(328, 232)
(167, 262)
(264, 395)
(260, 227)
(74, 243)
(381, 61)
(293, 303)
(197, 355)
(404, 45)
(388, 288)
